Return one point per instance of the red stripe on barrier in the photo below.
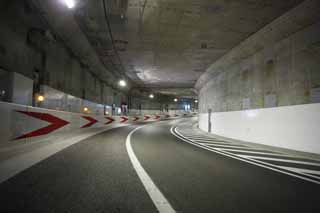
(157, 117)
(55, 123)
(91, 121)
(146, 117)
(110, 120)
(136, 118)
(123, 119)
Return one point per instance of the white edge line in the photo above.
(13, 166)
(155, 194)
(281, 160)
(251, 152)
(301, 170)
(241, 159)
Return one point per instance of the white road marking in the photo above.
(218, 143)
(230, 146)
(281, 160)
(251, 161)
(201, 138)
(17, 164)
(155, 194)
(301, 170)
(250, 152)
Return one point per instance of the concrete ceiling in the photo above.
(170, 43)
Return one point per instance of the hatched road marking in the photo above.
(252, 155)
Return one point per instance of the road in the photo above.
(97, 175)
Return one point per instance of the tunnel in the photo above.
(142, 106)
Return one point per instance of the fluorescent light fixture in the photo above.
(151, 96)
(122, 83)
(175, 100)
(70, 3)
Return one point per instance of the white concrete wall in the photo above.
(292, 127)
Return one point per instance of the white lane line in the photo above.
(213, 143)
(203, 137)
(155, 194)
(13, 166)
(252, 161)
(205, 140)
(250, 152)
(300, 170)
(229, 146)
(281, 160)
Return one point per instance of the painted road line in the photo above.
(262, 152)
(206, 140)
(231, 146)
(314, 175)
(213, 143)
(251, 161)
(15, 165)
(218, 143)
(155, 194)
(309, 171)
(199, 136)
(280, 160)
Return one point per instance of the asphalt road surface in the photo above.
(97, 175)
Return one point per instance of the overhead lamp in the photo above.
(85, 109)
(69, 3)
(40, 98)
(196, 101)
(151, 96)
(122, 83)
(175, 100)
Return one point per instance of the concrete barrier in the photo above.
(292, 127)
(21, 124)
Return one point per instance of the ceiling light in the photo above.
(151, 96)
(196, 101)
(70, 3)
(175, 100)
(85, 109)
(122, 83)
(40, 98)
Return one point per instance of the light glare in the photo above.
(175, 100)
(70, 3)
(151, 96)
(122, 83)
(40, 98)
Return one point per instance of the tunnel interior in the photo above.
(159, 105)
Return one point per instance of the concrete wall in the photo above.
(291, 127)
(277, 66)
(29, 47)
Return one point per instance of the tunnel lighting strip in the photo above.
(161, 203)
(305, 177)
